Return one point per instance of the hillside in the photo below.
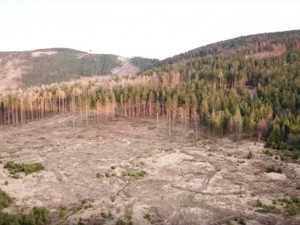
(263, 71)
(45, 66)
(253, 46)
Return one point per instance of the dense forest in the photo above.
(66, 66)
(243, 93)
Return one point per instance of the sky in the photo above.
(151, 29)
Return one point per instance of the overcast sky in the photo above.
(154, 29)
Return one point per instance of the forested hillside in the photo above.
(263, 71)
(46, 66)
(241, 92)
(253, 46)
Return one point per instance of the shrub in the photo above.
(80, 222)
(229, 222)
(288, 205)
(147, 216)
(291, 210)
(241, 221)
(106, 215)
(296, 155)
(250, 155)
(268, 209)
(258, 203)
(295, 199)
(5, 200)
(62, 211)
(40, 215)
(37, 216)
(273, 170)
(269, 152)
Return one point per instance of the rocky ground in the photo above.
(131, 171)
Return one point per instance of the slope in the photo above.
(254, 46)
(47, 66)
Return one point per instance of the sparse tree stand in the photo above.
(201, 100)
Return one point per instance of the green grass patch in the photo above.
(139, 175)
(289, 205)
(266, 208)
(15, 168)
(15, 176)
(122, 222)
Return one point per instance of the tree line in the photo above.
(229, 95)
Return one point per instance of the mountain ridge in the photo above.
(233, 44)
(50, 65)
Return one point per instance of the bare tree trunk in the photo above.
(73, 109)
(169, 122)
(157, 121)
(86, 115)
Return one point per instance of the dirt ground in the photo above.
(140, 173)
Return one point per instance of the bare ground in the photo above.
(189, 180)
(126, 67)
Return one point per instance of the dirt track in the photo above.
(187, 180)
